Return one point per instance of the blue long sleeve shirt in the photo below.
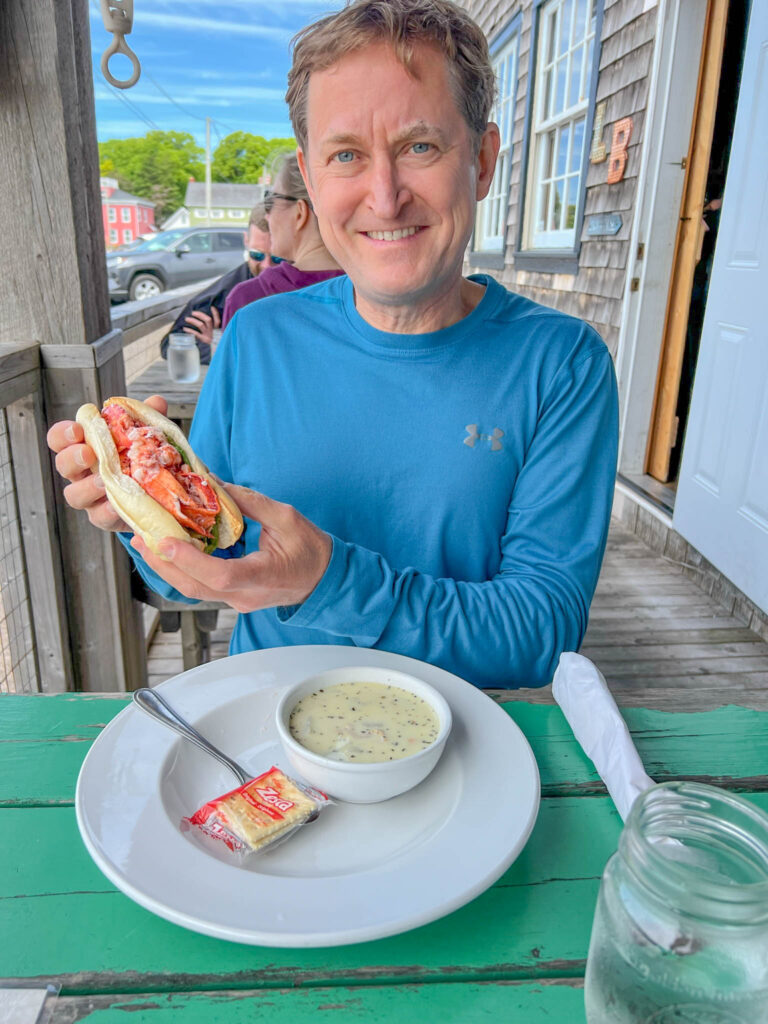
(465, 475)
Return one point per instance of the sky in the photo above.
(224, 59)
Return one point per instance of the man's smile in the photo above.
(392, 236)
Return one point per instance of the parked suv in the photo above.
(172, 258)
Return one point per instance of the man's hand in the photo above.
(292, 557)
(77, 462)
(202, 324)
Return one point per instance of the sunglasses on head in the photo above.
(270, 197)
(257, 256)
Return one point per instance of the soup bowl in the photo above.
(364, 782)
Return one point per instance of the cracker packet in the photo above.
(265, 810)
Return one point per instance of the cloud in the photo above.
(181, 22)
(210, 95)
(209, 74)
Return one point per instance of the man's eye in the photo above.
(345, 157)
(421, 147)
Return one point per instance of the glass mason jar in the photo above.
(183, 358)
(681, 927)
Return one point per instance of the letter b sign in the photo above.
(617, 161)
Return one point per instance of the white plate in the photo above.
(360, 871)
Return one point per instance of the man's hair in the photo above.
(402, 23)
(258, 218)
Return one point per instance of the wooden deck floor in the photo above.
(659, 640)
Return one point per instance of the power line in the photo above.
(147, 120)
(189, 113)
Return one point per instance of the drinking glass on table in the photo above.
(183, 358)
(681, 927)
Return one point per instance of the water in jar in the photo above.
(667, 976)
(681, 927)
(183, 359)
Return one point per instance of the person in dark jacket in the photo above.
(204, 311)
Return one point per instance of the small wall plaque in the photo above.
(604, 224)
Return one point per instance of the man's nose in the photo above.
(387, 193)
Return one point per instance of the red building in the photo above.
(125, 216)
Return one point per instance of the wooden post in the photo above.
(53, 269)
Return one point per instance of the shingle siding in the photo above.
(596, 291)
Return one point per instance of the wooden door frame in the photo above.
(663, 428)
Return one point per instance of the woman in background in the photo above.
(295, 240)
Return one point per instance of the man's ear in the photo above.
(305, 175)
(486, 160)
(302, 213)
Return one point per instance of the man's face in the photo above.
(393, 176)
(259, 241)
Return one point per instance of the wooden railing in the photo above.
(36, 626)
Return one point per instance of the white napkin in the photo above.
(582, 693)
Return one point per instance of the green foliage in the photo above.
(157, 167)
(240, 158)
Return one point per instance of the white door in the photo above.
(722, 499)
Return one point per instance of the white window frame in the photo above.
(125, 214)
(113, 236)
(236, 214)
(491, 217)
(559, 124)
(217, 214)
(111, 214)
(127, 235)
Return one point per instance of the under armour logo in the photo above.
(493, 438)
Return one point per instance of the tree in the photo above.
(157, 167)
(240, 158)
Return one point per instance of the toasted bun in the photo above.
(143, 514)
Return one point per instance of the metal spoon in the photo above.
(153, 704)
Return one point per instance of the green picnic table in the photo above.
(515, 953)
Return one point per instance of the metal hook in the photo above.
(117, 16)
(119, 45)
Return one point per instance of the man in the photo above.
(451, 445)
(204, 311)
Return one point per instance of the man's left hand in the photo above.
(292, 557)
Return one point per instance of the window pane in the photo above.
(550, 29)
(570, 212)
(574, 89)
(560, 87)
(565, 26)
(580, 26)
(548, 168)
(562, 150)
(229, 242)
(557, 206)
(576, 146)
(541, 220)
(546, 97)
(199, 243)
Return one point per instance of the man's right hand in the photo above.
(77, 462)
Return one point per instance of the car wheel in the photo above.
(145, 286)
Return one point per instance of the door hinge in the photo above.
(634, 284)
(640, 250)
